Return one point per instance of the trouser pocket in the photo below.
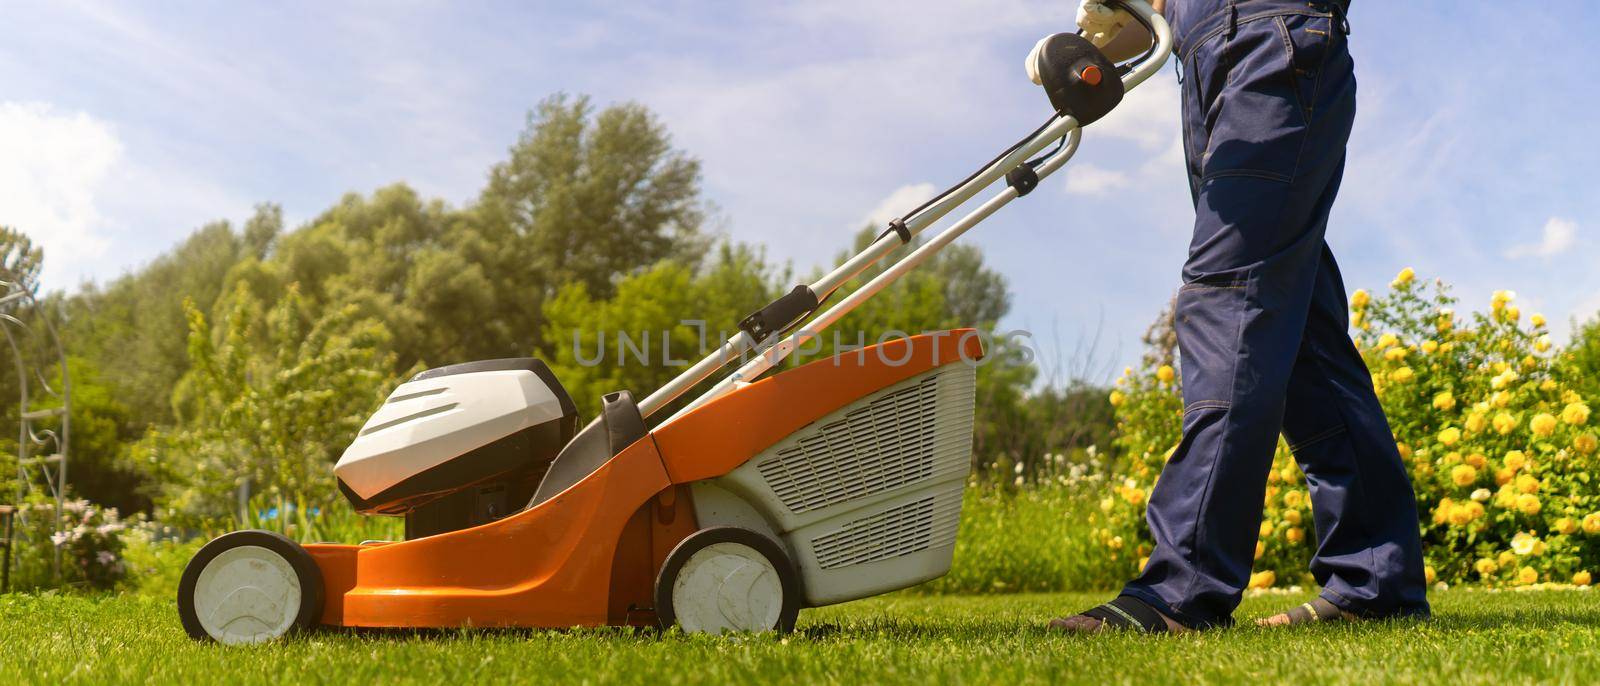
(1209, 316)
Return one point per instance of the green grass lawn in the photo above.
(1475, 637)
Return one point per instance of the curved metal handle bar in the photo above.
(1058, 128)
(774, 355)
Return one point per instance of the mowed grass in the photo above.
(1475, 637)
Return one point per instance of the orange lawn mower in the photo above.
(832, 481)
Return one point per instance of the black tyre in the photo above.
(249, 587)
(728, 579)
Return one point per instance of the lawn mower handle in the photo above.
(1019, 158)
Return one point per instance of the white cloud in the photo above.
(1559, 235)
(53, 168)
(1088, 179)
(1148, 116)
(897, 203)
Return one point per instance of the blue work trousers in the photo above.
(1269, 95)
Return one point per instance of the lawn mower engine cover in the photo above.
(459, 446)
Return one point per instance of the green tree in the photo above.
(20, 259)
(271, 399)
(625, 341)
(1582, 358)
(132, 330)
(99, 466)
(585, 198)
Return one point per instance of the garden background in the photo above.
(244, 359)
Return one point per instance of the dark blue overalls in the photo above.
(1269, 95)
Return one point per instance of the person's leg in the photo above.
(1271, 151)
(1369, 547)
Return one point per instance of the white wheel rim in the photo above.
(247, 594)
(727, 587)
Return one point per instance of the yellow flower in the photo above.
(1293, 498)
(1134, 496)
(1516, 460)
(1537, 320)
(1591, 523)
(1261, 580)
(1524, 543)
(1485, 566)
(1581, 579)
(1429, 574)
(1396, 353)
(1576, 414)
(1477, 460)
(1585, 443)
(1387, 340)
(1404, 277)
(1505, 423)
(1571, 396)
(1529, 362)
(1480, 495)
(1513, 313)
(1166, 374)
(1292, 517)
(1451, 458)
(1566, 526)
(1117, 398)
(1261, 549)
(1527, 484)
(1476, 422)
(1506, 558)
(1500, 398)
(1504, 378)
(1441, 514)
(1446, 320)
(1542, 343)
(1429, 347)
(1360, 299)
(1547, 385)
(1503, 477)
(1444, 401)
(1506, 497)
(1143, 562)
(1450, 435)
(1528, 504)
(1401, 375)
(1499, 299)
(1115, 543)
(1405, 450)
(1526, 576)
(1463, 514)
(1265, 529)
(1543, 424)
(1463, 475)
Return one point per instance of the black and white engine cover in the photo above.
(456, 427)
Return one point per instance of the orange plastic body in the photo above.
(590, 555)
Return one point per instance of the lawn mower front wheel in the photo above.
(249, 587)
(728, 579)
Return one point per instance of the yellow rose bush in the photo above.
(1491, 419)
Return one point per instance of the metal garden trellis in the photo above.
(38, 449)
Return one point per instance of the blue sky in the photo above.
(125, 126)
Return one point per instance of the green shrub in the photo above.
(1488, 416)
(89, 541)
